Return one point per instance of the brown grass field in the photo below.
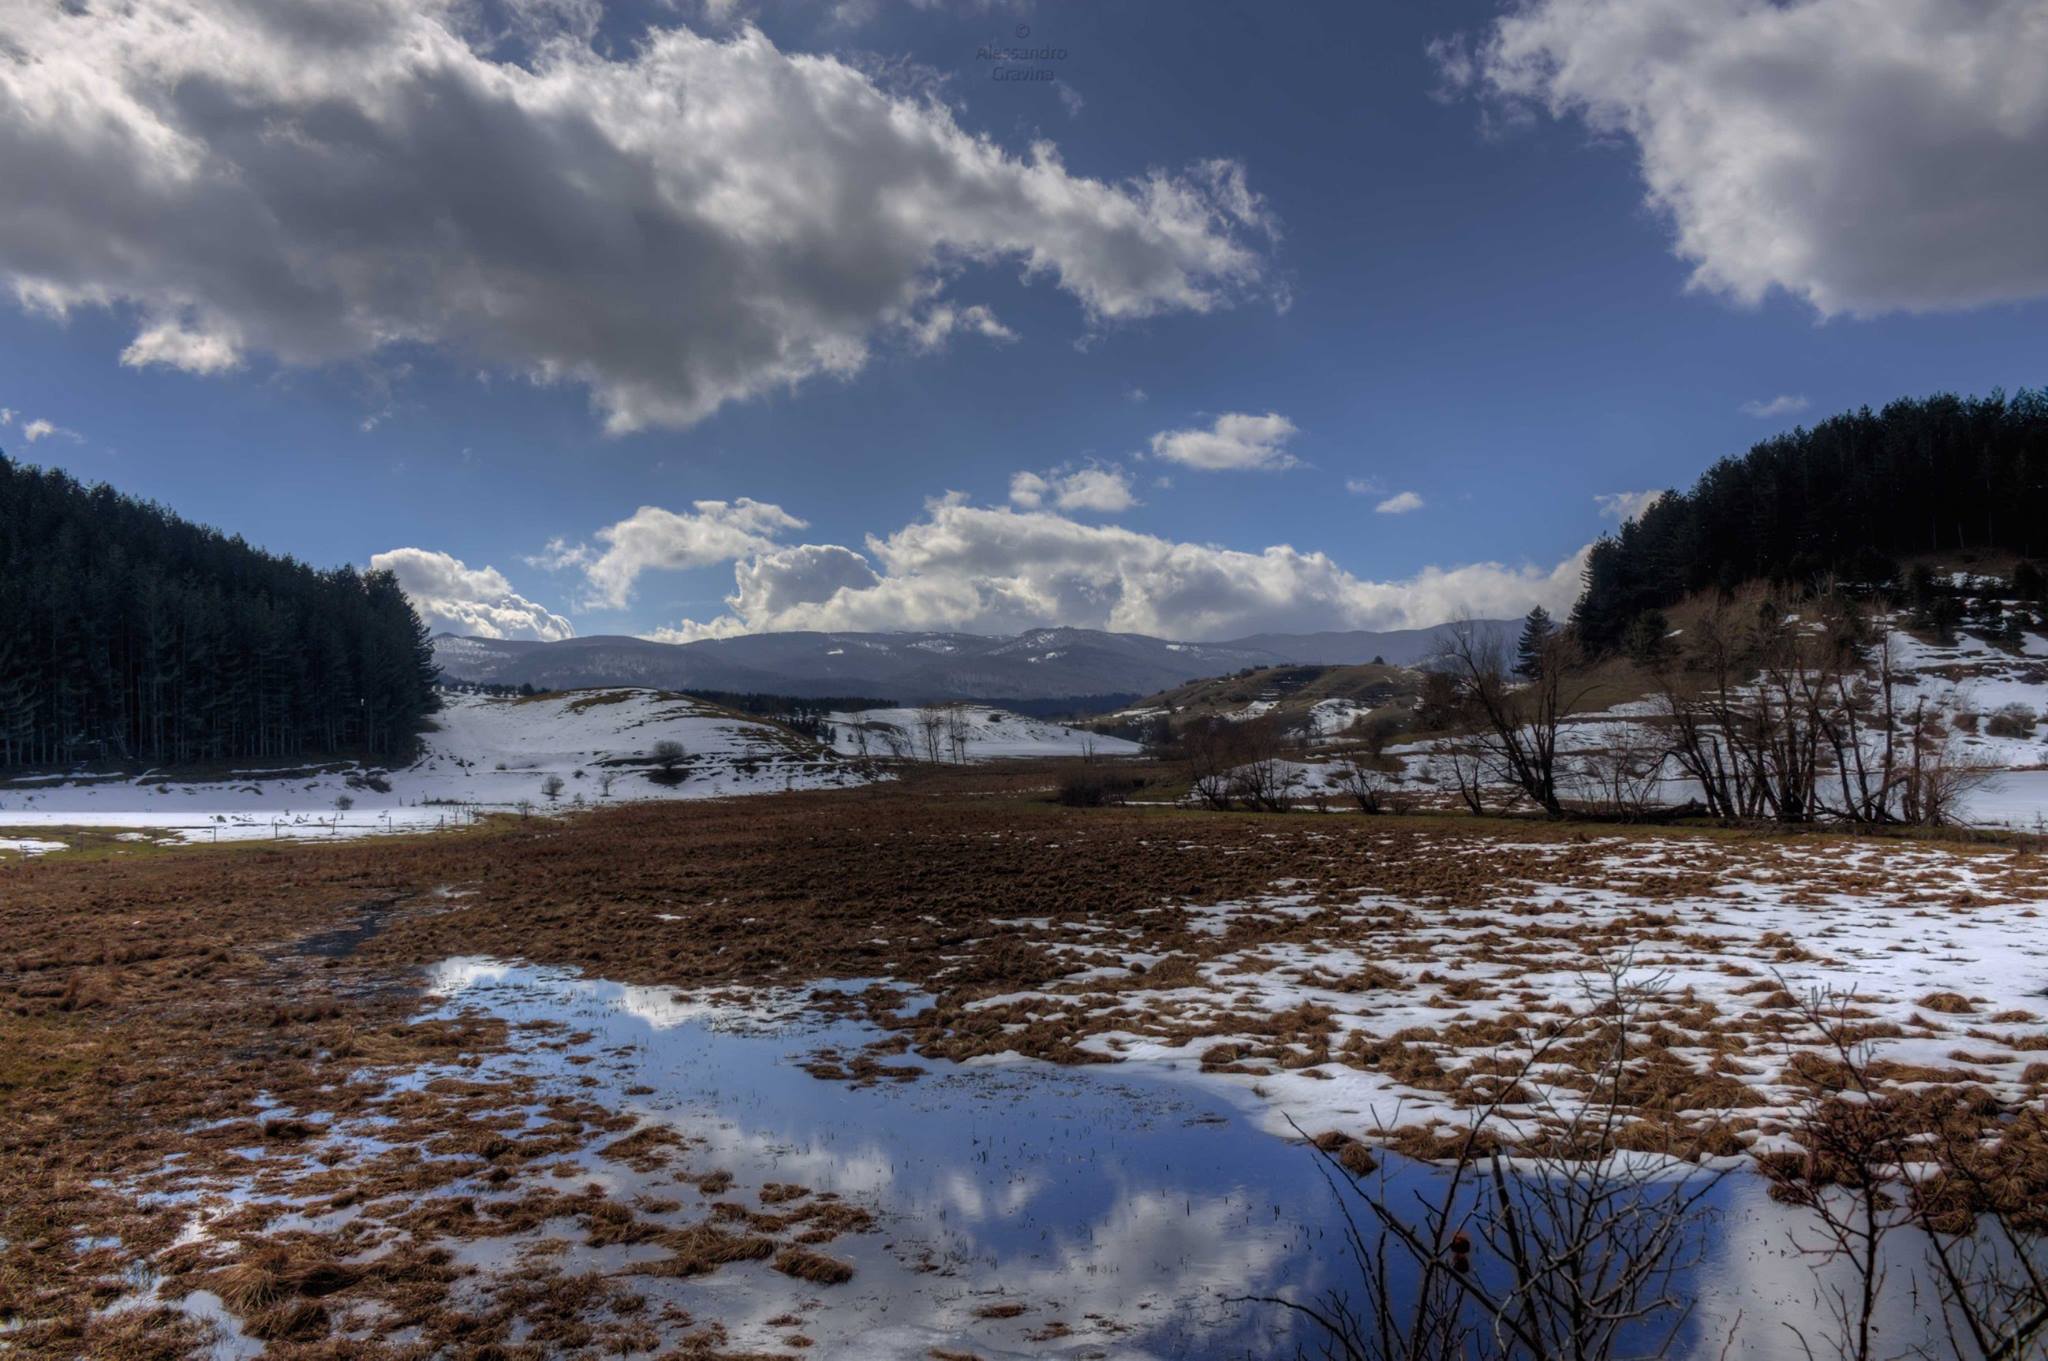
(147, 996)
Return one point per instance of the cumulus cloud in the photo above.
(40, 429)
(696, 222)
(1106, 490)
(1234, 441)
(996, 570)
(453, 597)
(1626, 505)
(1784, 404)
(1865, 157)
(1400, 503)
(654, 539)
(6, 415)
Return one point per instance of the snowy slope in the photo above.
(486, 755)
(1968, 683)
(992, 734)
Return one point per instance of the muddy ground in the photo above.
(170, 1016)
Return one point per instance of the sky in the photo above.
(697, 317)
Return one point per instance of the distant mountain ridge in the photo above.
(1049, 663)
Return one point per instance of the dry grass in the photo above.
(144, 998)
(814, 1267)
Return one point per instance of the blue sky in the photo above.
(1429, 265)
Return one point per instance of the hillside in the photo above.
(1849, 497)
(1967, 660)
(1043, 664)
(480, 755)
(1319, 702)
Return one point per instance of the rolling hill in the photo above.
(1043, 664)
(1317, 701)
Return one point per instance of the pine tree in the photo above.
(1536, 634)
(129, 634)
(1844, 497)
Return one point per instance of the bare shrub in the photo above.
(1361, 780)
(1623, 777)
(668, 757)
(1096, 788)
(2014, 720)
(1576, 1252)
(1873, 1162)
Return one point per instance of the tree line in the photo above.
(1847, 497)
(129, 634)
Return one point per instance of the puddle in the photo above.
(343, 941)
(1131, 1210)
(1136, 1208)
(1020, 1209)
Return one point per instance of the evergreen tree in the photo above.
(1536, 633)
(129, 634)
(1647, 639)
(1846, 497)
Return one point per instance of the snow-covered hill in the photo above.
(1992, 699)
(1046, 663)
(486, 755)
(983, 734)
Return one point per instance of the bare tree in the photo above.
(931, 730)
(1465, 760)
(1625, 773)
(1800, 720)
(959, 728)
(1262, 781)
(1213, 747)
(552, 787)
(1520, 723)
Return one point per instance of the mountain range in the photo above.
(1042, 664)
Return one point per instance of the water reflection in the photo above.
(1130, 1208)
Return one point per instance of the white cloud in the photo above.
(1785, 404)
(940, 323)
(1400, 503)
(1028, 490)
(695, 222)
(1106, 490)
(1234, 441)
(6, 415)
(1626, 505)
(453, 597)
(996, 570)
(40, 429)
(171, 344)
(1864, 155)
(788, 578)
(1362, 486)
(653, 539)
